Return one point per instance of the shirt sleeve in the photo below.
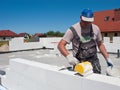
(99, 36)
(68, 36)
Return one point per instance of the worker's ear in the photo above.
(80, 17)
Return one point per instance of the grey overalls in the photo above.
(86, 51)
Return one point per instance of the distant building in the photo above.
(6, 35)
(40, 35)
(25, 35)
(36, 36)
(108, 22)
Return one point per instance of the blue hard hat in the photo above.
(87, 15)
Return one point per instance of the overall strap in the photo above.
(91, 31)
(77, 40)
(75, 35)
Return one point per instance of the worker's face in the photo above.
(85, 24)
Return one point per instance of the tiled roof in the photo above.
(108, 21)
(39, 35)
(22, 34)
(7, 33)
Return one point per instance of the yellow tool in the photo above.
(83, 68)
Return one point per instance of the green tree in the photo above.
(54, 34)
(50, 33)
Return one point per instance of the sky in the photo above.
(41, 16)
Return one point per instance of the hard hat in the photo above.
(87, 15)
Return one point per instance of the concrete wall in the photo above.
(114, 46)
(52, 42)
(29, 75)
(19, 44)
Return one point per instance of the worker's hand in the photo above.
(109, 62)
(72, 60)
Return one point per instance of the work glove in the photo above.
(72, 60)
(109, 62)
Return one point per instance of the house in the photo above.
(6, 35)
(108, 22)
(36, 36)
(40, 35)
(25, 35)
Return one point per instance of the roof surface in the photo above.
(7, 33)
(108, 21)
(49, 57)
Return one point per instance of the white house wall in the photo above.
(5, 38)
(114, 46)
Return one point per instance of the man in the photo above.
(84, 36)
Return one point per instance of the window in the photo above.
(113, 19)
(4, 38)
(105, 34)
(115, 34)
(107, 18)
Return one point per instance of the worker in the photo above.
(85, 37)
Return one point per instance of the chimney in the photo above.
(117, 14)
